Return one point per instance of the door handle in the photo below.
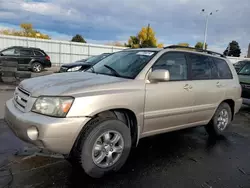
(218, 84)
(188, 87)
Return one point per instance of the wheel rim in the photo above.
(37, 67)
(107, 149)
(222, 120)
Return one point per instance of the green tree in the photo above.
(199, 45)
(183, 44)
(78, 38)
(233, 49)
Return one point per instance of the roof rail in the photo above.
(196, 49)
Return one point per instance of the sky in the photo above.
(104, 21)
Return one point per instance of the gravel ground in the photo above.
(187, 158)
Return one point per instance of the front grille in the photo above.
(21, 97)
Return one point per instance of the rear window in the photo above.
(38, 53)
(224, 71)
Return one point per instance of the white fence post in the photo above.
(60, 54)
(88, 51)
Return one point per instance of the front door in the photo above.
(168, 105)
(8, 55)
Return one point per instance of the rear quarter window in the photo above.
(38, 53)
(223, 69)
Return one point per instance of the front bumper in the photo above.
(55, 134)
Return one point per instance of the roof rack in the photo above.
(196, 49)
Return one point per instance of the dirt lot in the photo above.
(187, 158)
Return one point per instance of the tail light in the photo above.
(48, 58)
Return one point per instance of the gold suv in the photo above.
(95, 117)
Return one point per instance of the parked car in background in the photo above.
(33, 59)
(244, 77)
(94, 117)
(239, 65)
(83, 64)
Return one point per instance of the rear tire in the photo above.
(221, 121)
(36, 67)
(105, 146)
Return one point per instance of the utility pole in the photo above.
(205, 34)
(148, 32)
(206, 26)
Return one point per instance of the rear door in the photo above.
(25, 58)
(207, 88)
(226, 81)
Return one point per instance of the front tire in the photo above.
(105, 147)
(221, 120)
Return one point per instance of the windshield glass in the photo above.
(95, 59)
(245, 70)
(126, 64)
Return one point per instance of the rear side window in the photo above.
(38, 53)
(24, 52)
(224, 71)
(202, 67)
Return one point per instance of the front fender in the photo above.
(96, 102)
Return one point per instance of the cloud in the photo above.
(107, 20)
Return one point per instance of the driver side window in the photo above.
(175, 63)
(9, 52)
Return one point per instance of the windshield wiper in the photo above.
(113, 71)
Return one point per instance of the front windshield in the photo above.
(126, 64)
(245, 70)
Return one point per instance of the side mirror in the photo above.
(1, 54)
(159, 75)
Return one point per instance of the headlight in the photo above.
(74, 69)
(53, 106)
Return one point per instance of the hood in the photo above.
(77, 63)
(244, 79)
(67, 83)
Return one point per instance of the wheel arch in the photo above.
(35, 61)
(231, 103)
(123, 114)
